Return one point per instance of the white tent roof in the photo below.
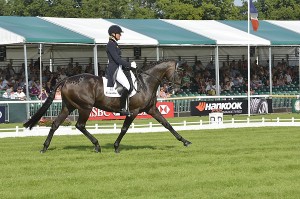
(291, 25)
(223, 34)
(97, 29)
(7, 37)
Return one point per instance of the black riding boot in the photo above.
(123, 101)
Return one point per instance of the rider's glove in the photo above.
(133, 64)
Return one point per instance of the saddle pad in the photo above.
(112, 92)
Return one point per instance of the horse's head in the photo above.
(173, 73)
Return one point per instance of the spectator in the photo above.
(227, 86)
(185, 79)
(5, 83)
(163, 93)
(48, 87)
(210, 88)
(210, 66)
(57, 94)
(34, 91)
(10, 71)
(288, 78)
(199, 66)
(7, 93)
(43, 95)
(20, 95)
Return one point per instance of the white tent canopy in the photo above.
(8, 37)
(223, 34)
(97, 29)
(291, 25)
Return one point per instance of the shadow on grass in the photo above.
(122, 147)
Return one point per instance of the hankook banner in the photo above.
(231, 107)
(165, 108)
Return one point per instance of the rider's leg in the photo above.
(124, 102)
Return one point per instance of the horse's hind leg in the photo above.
(80, 125)
(56, 123)
(126, 125)
(158, 116)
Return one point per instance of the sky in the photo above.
(238, 2)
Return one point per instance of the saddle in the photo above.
(117, 89)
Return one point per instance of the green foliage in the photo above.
(144, 9)
(224, 163)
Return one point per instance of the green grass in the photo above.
(230, 163)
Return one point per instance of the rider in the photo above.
(115, 60)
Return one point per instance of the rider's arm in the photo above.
(112, 50)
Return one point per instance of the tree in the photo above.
(144, 9)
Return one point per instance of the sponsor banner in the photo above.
(2, 114)
(165, 108)
(295, 106)
(231, 107)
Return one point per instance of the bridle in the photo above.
(159, 80)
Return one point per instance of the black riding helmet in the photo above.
(114, 29)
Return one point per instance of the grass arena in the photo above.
(221, 163)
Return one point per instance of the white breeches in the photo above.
(122, 79)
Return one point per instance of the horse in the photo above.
(85, 91)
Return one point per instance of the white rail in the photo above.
(150, 127)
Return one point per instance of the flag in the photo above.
(253, 16)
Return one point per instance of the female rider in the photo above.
(122, 73)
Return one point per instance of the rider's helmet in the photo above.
(114, 29)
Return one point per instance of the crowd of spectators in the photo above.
(197, 78)
(200, 79)
(13, 83)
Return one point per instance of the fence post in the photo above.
(115, 127)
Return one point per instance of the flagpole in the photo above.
(248, 96)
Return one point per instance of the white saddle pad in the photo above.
(112, 92)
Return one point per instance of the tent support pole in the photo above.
(217, 70)
(157, 53)
(248, 79)
(299, 65)
(41, 69)
(96, 60)
(270, 70)
(26, 80)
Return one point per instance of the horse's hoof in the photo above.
(187, 143)
(42, 151)
(117, 151)
(97, 149)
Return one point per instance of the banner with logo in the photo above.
(165, 108)
(231, 107)
(295, 106)
(2, 114)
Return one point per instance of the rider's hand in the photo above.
(133, 64)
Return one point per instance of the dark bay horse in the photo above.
(85, 91)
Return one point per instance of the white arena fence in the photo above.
(181, 104)
(150, 127)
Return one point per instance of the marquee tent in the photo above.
(15, 30)
(158, 33)
(146, 32)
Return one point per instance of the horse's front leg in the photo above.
(158, 116)
(126, 125)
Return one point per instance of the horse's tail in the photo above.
(39, 114)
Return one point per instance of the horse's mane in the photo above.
(150, 65)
